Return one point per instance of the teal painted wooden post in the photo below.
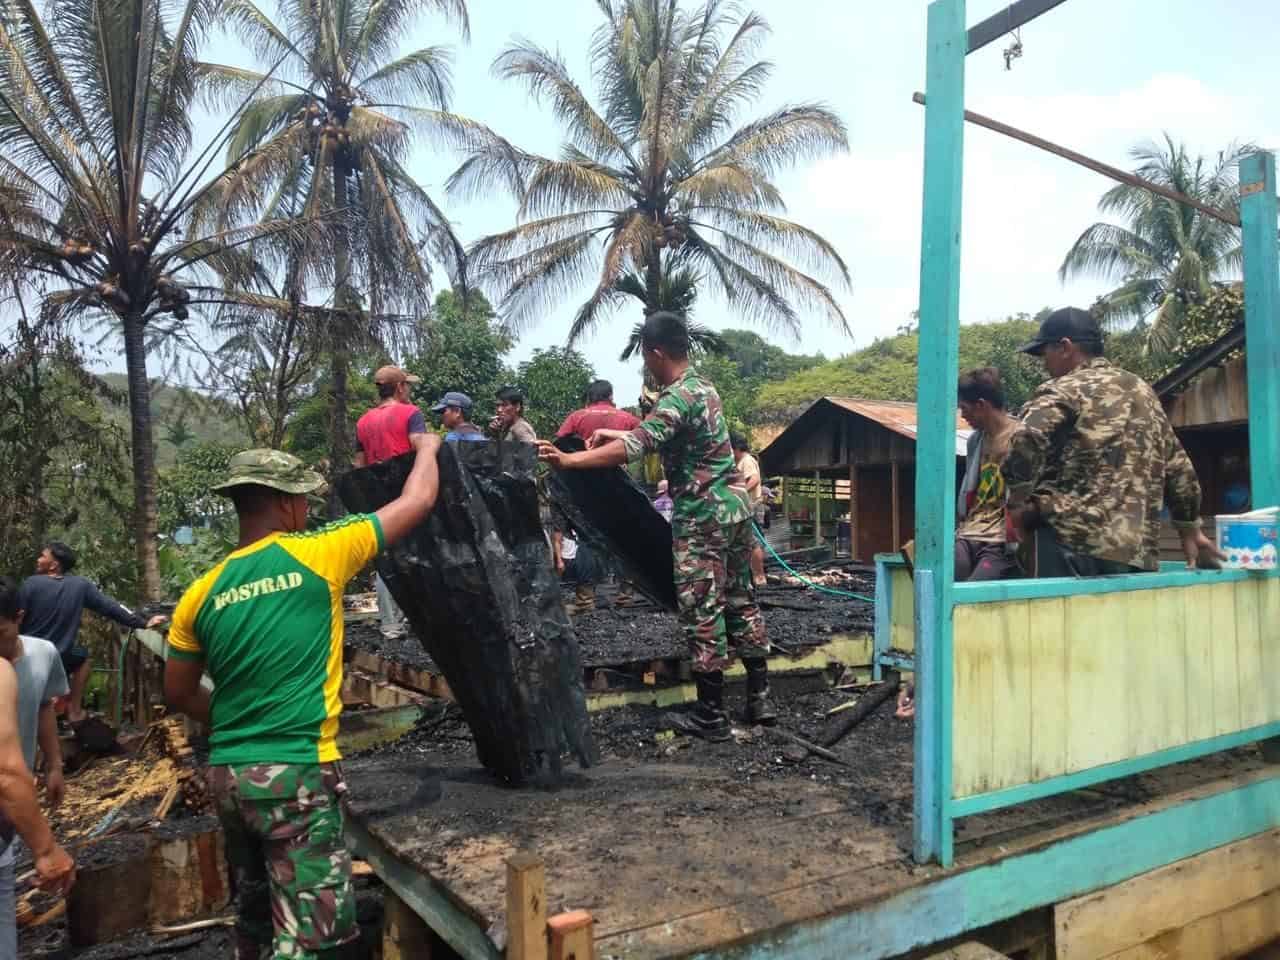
(1262, 323)
(884, 617)
(936, 441)
(1262, 337)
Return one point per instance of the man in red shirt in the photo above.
(393, 427)
(599, 413)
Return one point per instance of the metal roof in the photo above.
(894, 415)
(898, 416)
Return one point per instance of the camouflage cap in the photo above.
(271, 468)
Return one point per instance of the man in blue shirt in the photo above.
(454, 408)
(54, 602)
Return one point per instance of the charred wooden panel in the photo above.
(476, 583)
(616, 518)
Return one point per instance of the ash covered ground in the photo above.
(795, 616)
(876, 776)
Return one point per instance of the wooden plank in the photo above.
(978, 635)
(570, 936)
(1011, 697)
(1096, 665)
(1226, 669)
(1269, 618)
(893, 498)
(1249, 642)
(405, 935)
(1148, 906)
(526, 908)
(1232, 933)
(1170, 674)
(1199, 640)
(902, 630)
(1144, 651)
(1047, 625)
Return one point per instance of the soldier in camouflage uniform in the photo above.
(1093, 461)
(266, 623)
(710, 527)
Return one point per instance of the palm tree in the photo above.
(331, 133)
(656, 187)
(96, 191)
(1168, 254)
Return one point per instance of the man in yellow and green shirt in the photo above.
(266, 624)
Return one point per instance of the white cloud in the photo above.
(1022, 207)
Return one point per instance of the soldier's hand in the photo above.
(1195, 543)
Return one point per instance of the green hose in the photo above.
(809, 583)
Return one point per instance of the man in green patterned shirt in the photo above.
(711, 534)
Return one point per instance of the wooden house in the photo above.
(870, 445)
(1207, 400)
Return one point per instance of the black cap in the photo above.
(1069, 323)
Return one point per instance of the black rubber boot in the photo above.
(707, 719)
(759, 708)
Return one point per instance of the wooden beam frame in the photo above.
(1097, 166)
(1006, 21)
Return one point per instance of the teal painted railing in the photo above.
(938, 600)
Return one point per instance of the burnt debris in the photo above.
(476, 584)
(616, 518)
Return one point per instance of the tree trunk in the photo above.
(39, 505)
(144, 457)
(653, 281)
(339, 349)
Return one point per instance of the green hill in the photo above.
(887, 369)
(180, 414)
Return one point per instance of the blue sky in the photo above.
(1097, 75)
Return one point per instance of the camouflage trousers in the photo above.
(290, 867)
(717, 598)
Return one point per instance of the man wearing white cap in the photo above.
(394, 427)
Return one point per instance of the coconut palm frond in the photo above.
(545, 75)
(555, 185)
(535, 281)
(655, 155)
(263, 118)
(425, 74)
(775, 142)
(1166, 253)
(386, 22)
(792, 239)
(226, 88)
(267, 41)
(1110, 251)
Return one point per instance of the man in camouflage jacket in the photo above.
(1093, 462)
(711, 533)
